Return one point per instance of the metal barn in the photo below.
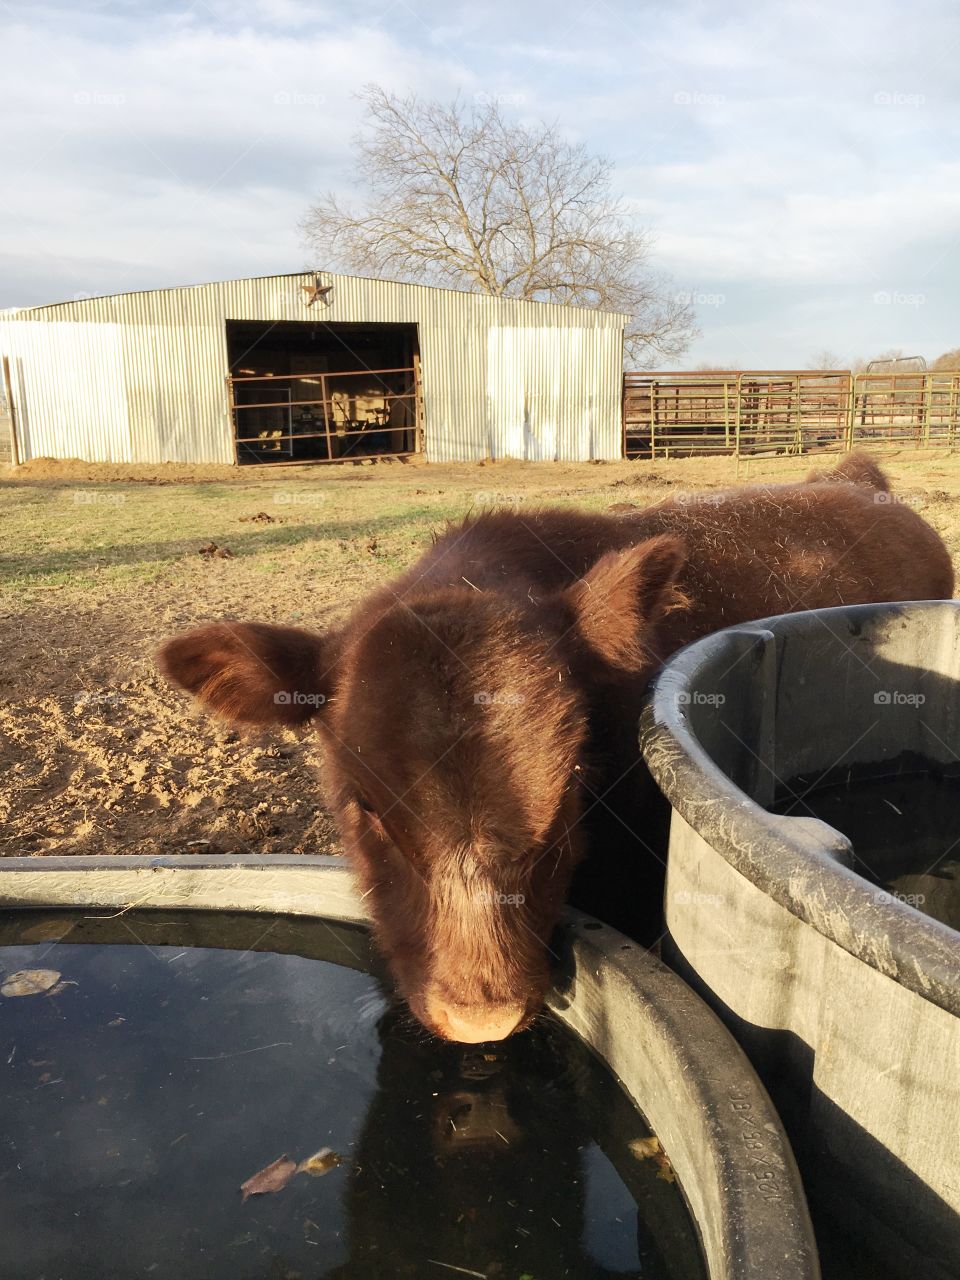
(311, 367)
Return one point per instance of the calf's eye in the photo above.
(366, 806)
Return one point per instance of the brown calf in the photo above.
(479, 713)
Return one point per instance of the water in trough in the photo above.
(903, 819)
(208, 1096)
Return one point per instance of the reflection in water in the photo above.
(901, 818)
(135, 1103)
(499, 1147)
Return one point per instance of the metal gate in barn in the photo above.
(324, 393)
(326, 416)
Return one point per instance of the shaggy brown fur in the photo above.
(479, 713)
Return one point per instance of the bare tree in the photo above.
(457, 195)
(826, 359)
(948, 362)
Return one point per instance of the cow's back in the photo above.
(751, 552)
(757, 553)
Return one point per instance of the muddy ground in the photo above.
(98, 564)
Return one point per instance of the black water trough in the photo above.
(672, 1057)
(812, 764)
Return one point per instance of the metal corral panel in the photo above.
(141, 377)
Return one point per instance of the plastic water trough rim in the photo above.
(672, 1055)
(892, 937)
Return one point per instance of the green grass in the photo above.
(80, 538)
(83, 537)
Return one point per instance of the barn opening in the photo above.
(305, 391)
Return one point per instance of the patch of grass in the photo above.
(80, 538)
(75, 538)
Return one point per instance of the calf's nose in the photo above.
(474, 1026)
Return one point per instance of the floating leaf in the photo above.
(650, 1149)
(320, 1162)
(61, 987)
(273, 1178)
(29, 982)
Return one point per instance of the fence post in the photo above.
(624, 416)
(726, 414)
(851, 413)
(653, 421)
(928, 406)
(326, 415)
(737, 416)
(234, 420)
(419, 419)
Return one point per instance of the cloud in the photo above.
(176, 152)
(777, 153)
(142, 1122)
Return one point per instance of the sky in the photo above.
(798, 164)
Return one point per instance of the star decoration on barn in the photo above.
(317, 292)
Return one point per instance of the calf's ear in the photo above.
(620, 600)
(251, 673)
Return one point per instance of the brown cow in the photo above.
(479, 712)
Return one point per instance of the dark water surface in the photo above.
(903, 822)
(189, 1051)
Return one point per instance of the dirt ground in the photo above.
(98, 564)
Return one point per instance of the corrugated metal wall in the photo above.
(141, 377)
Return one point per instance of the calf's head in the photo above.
(454, 725)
